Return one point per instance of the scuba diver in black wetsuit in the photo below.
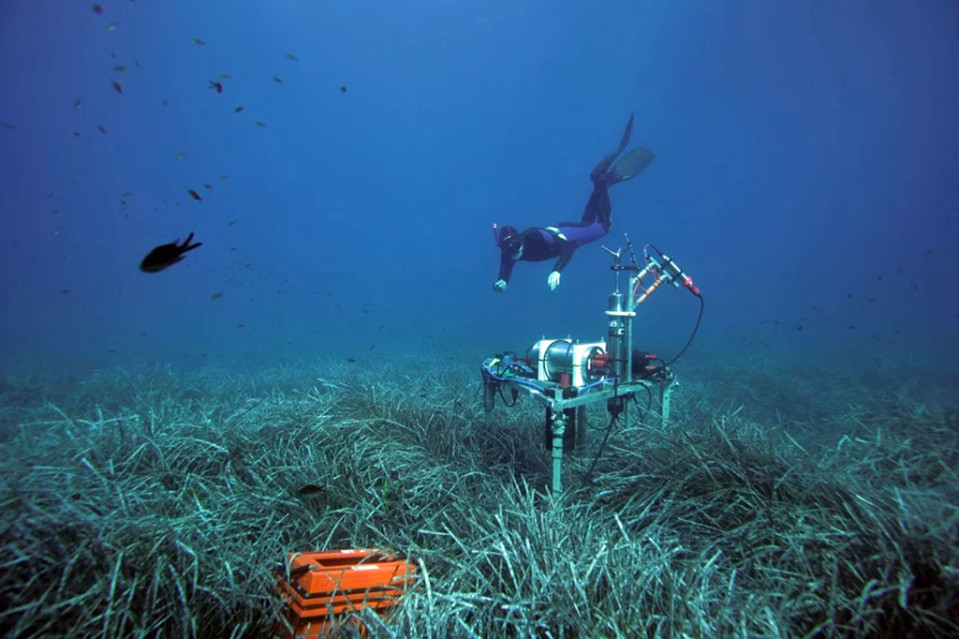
(561, 241)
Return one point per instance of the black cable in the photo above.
(602, 446)
(699, 319)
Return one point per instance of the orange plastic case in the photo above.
(318, 587)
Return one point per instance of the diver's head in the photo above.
(510, 240)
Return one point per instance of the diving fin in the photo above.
(599, 171)
(627, 133)
(631, 164)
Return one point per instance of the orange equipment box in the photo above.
(319, 586)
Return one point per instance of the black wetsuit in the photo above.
(561, 241)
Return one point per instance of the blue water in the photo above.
(803, 152)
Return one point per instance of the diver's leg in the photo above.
(598, 208)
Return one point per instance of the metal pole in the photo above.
(559, 428)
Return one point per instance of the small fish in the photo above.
(799, 328)
(101, 129)
(198, 42)
(194, 195)
(290, 56)
(76, 103)
(277, 80)
(112, 26)
(225, 76)
(165, 102)
(113, 54)
(166, 255)
(231, 223)
(929, 252)
(310, 489)
(208, 187)
(215, 84)
(117, 87)
(343, 89)
(238, 109)
(64, 290)
(258, 123)
(179, 156)
(126, 194)
(7, 125)
(77, 134)
(851, 327)
(224, 178)
(350, 360)
(216, 296)
(120, 68)
(97, 9)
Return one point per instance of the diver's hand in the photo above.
(499, 286)
(553, 280)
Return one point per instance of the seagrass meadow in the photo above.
(799, 503)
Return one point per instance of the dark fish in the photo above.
(76, 103)
(194, 195)
(126, 194)
(117, 87)
(225, 76)
(238, 109)
(120, 68)
(215, 84)
(258, 123)
(7, 125)
(216, 296)
(208, 187)
(166, 255)
(77, 134)
(310, 489)
(290, 56)
(277, 80)
(231, 223)
(343, 89)
(97, 9)
(198, 42)
(165, 102)
(224, 178)
(101, 129)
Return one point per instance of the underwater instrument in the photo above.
(566, 375)
(324, 591)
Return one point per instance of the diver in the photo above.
(561, 241)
